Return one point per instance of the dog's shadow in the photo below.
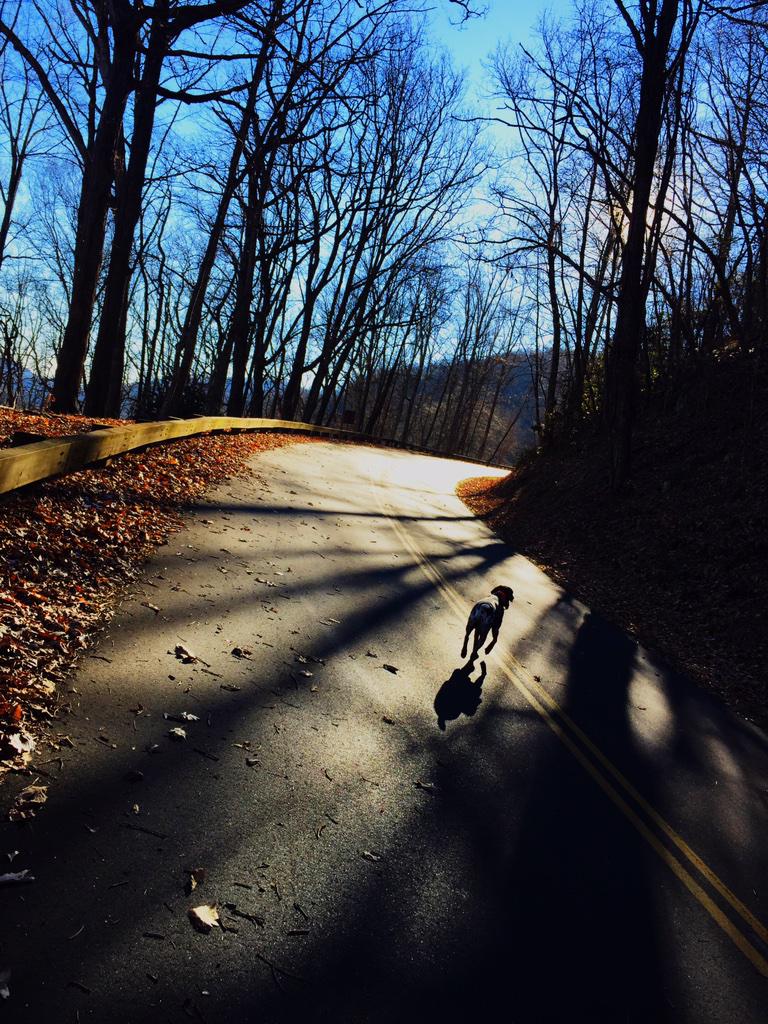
(459, 695)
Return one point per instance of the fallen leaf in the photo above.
(241, 652)
(15, 743)
(371, 856)
(428, 787)
(16, 877)
(204, 918)
(184, 655)
(391, 668)
(27, 802)
(230, 687)
(177, 734)
(183, 716)
(305, 659)
(195, 877)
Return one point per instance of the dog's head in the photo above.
(505, 595)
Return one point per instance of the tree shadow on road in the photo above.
(581, 904)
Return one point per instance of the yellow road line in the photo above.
(546, 705)
(730, 897)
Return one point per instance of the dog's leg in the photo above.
(466, 641)
(492, 644)
(480, 636)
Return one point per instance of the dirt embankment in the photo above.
(680, 558)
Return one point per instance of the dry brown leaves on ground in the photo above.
(69, 546)
(50, 424)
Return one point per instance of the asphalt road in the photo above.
(585, 840)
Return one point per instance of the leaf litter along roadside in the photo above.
(69, 547)
(49, 424)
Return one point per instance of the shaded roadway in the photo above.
(386, 868)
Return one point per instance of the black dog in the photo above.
(485, 617)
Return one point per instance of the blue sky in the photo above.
(506, 21)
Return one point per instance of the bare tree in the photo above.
(652, 36)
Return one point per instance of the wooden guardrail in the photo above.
(40, 460)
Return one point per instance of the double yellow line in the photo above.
(612, 782)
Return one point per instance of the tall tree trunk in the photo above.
(633, 284)
(104, 386)
(95, 201)
(554, 358)
(492, 411)
(185, 349)
(11, 194)
(406, 434)
(311, 292)
(240, 326)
